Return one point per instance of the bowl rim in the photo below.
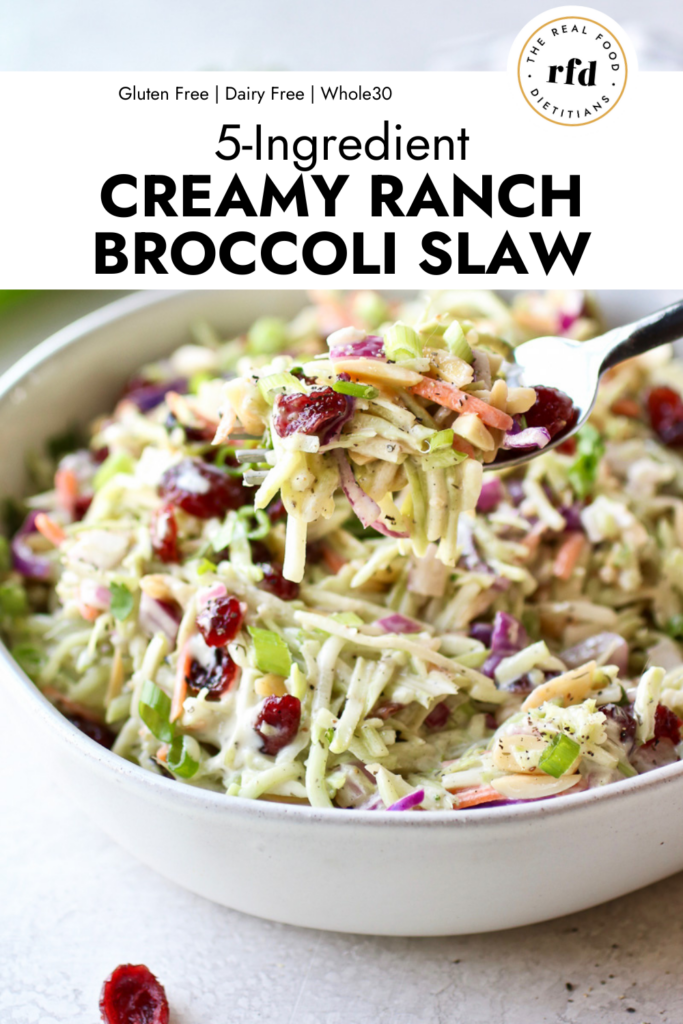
(197, 798)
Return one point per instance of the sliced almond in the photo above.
(532, 787)
(519, 400)
(571, 687)
(270, 686)
(526, 746)
(469, 426)
(375, 370)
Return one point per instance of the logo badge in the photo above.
(572, 68)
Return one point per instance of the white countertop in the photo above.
(73, 905)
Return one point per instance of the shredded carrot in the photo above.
(226, 424)
(334, 561)
(568, 556)
(88, 612)
(68, 706)
(51, 530)
(66, 483)
(186, 410)
(459, 401)
(627, 407)
(180, 687)
(162, 753)
(474, 795)
(533, 538)
(460, 445)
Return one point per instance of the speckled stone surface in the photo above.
(73, 905)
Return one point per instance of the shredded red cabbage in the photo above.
(24, 559)
(397, 623)
(362, 504)
(148, 396)
(406, 803)
(508, 637)
(595, 647)
(491, 495)
(383, 529)
(531, 437)
(158, 617)
(371, 347)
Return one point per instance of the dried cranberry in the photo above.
(667, 725)
(666, 415)
(100, 454)
(308, 414)
(219, 620)
(568, 447)
(81, 505)
(624, 719)
(387, 710)
(201, 490)
(280, 716)
(95, 730)
(553, 410)
(274, 582)
(216, 677)
(276, 510)
(260, 552)
(437, 717)
(132, 995)
(490, 720)
(164, 534)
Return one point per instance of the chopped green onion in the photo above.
(13, 599)
(559, 755)
(262, 528)
(432, 329)
(350, 387)
(120, 462)
(30, 658)
(584, 470)
(275, 381)
(205, 566)
(348, 619)
(441, 439)
(442, 458)
(155, 711)
(224, 453)
(267, 335)
(271, 651)
(402, 342)
(183, 756)
(457, 343)
(121, 601)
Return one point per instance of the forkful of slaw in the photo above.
(401, 424)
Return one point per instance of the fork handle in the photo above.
(632, 340)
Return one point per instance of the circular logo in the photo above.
(572, 70)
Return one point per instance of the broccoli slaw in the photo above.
(275, 570)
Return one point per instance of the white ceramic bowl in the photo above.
(376, 872)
